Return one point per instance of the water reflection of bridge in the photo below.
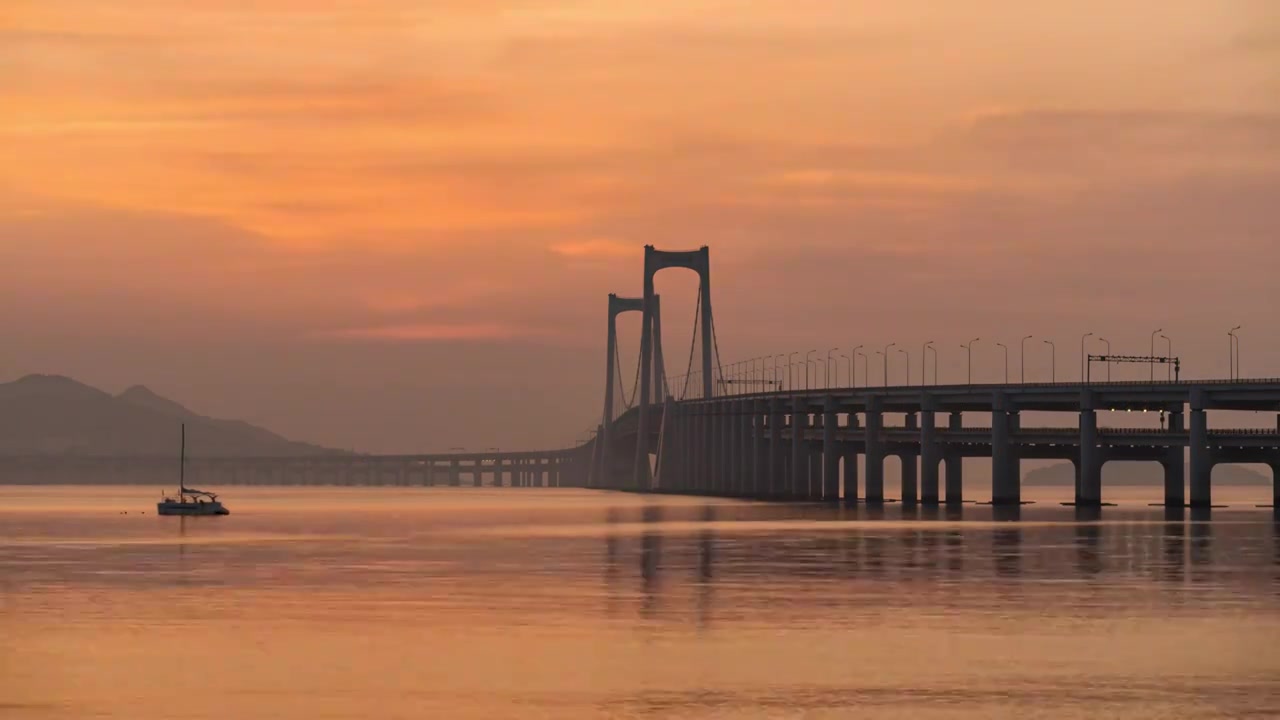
(667, 570)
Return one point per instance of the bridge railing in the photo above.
(982, 386)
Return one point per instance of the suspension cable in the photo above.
(715, 344)
(693, 343)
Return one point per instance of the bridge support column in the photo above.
(799, 450)
(1005, 488)
(955, 465)
(1015, 452)
(693, 448)
(929, 455)
(775, 473)
(1089, 487)
(1175, 464)
(742, 437)
(727, 466)
(815, 463)
(910, 478)
(746, 448)
(910, 485)
(697, 450)
(707, 441)
(718, 473)
(851, 462)
(758, 473)
(1201, 462)
(830, 452)
(681, 463)
(728, 442)
(1275, 486)
(875, 450)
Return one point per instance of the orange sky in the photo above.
(352, 220)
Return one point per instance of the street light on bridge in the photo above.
(776, 367)
(850, 360)
(924, 362)
(1022, 357)
(806, 368)
(1108, 344)
(1168, 353)
(866, 364)
(1233, 358)
(826, 369)
(791, 384)
(886, 362)
(969, 349)
(881, 352)
(1082, 339)
(1006, 361)
(907, 376)
(853, 368)
(1053, 361)
(1151, 365)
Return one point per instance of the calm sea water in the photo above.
(530, 603)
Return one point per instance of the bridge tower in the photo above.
(617, 306)
(655, 260)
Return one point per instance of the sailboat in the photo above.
(189, 500)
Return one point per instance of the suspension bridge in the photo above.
(751, 432)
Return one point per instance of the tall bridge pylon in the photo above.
(655, 260)
(617, 306)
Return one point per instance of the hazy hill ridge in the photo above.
(56, 415)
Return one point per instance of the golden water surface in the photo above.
(533, 603)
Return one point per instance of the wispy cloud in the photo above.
(596, 248)
(414, 332)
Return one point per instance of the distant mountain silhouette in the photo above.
(56, 415)
(1139, 473)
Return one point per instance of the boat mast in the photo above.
(182, 463)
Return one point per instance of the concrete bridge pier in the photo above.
(1005, 488)
(700, 468)
(815, 464)
(672, 457)
(1201, 460)
(688, 448)
(729, 446)
(773, 485)
(1275, 486)
(851, 463)
(1015, 454)
(875, 450)
(733, 441)
(798, 486)
(746, 448)
(1089, 486)
(830, 451)
(1175, 464)
(724, 436)
(955, 465)
(719, 471)
(713, 448)
(929, 454)
(907, 461)
(705, 450)
(759, 472)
